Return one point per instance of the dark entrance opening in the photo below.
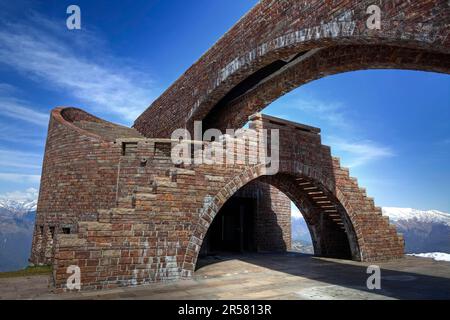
(232, 230)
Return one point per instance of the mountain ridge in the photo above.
(424, 231)
(18, 207)
(406, 214)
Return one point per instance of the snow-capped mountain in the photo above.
(17, 216)
(402, 215)
(424, 231)
(18, 207)
(18, 203)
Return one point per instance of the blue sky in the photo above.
(390, 127)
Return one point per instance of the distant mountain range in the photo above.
(425, 232)
(16, 232)
(18, 207)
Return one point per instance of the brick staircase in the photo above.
(368, 220)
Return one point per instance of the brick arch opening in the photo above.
(270, 82)
(280, 45)
(330, 224)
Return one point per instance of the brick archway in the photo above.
(134, 217)
(280, 45)
(339, 229)
(233, 112)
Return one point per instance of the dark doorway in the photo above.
(232, 230)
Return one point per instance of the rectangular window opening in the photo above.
(129, 148)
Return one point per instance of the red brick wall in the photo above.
(155, 229)
(274, 223)
(273, 216)
(78, 178)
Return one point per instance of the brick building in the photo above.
(114, 203)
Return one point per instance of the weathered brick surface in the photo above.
(328, 37)
(134, 217)
(136, 221)
(273, 216)
(78, 177)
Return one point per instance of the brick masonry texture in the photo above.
(136, 218)
(113, 203)
(317, 38)
(273, 216)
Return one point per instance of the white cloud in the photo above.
(353, 151)
(6, 88)
(50, 54)
(26, 195)
(20, 159)
(359, 152)
(331, 113)
(295, 212)
(20, 137)
(12, 107)
(18, 109)
(20, 178)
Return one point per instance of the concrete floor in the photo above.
(271, 276)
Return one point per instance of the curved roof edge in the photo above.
(89, 125)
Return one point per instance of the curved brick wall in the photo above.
(79, 177)
(413, 35)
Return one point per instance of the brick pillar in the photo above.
(37, 256)
(273, 217)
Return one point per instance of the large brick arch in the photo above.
(327, 61)
(280, 45)
(329, 239)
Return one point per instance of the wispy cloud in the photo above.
(6, 88)
(444, 142)
(17, 137)
(20, 178)
(20, 159)
(330, 112)
(49, 53)
(359, 152)
(355, 152)
(13, 107)
(26, 195)
(18, 109)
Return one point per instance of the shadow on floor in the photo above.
(425, 278)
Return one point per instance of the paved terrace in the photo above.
(270, 276)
